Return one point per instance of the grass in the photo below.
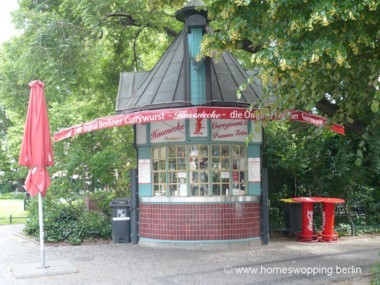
(14, 207)
(376, 271)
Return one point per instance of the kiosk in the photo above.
(199, 179)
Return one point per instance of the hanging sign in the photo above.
(214, 113)
(229, 130)
(171, 131)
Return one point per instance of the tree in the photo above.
(311, 54)
(77, 48)
(318, 56)
(305, 161)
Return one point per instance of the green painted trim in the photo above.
(254, 150)
(254, 188)
(197, 68)
(144, 152)
(145, 190)
(148, 133)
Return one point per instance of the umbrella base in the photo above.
(30, 270)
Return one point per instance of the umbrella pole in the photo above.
(40, 215)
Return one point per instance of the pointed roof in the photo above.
(165, 85)
(162, 87)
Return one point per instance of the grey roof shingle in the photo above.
(165, 85)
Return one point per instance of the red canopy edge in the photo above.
(188, 113)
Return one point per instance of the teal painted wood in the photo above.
(254, 150)
(197, 69)
(254, 189)
(144, 152)
(145, 190)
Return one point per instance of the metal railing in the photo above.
(11, 218)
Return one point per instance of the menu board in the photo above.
(254, 166)
(229, 130)
(144, 171)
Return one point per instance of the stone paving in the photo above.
(283, 261)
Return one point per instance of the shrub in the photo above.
(103, 200)
(343, 229)
(97, 222)
(275, 218)
(12, 195)
(376, 271)
(5, 188)
(66, 221)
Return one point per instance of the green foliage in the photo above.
(12, 211)
(376, 271)
(77, 48)
(343, 229)
(314, 50)
(319, 50)
(67, 221)
(12, 195)
(5, 188)
(305, 161)
(103, 199)
(276, 218)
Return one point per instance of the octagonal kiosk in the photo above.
(199, 181)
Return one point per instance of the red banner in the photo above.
(190, 113)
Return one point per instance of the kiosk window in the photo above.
(199, 170)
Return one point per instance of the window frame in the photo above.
(202, 160)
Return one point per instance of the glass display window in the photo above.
(199, 170)
(159, 171)
(177, 170)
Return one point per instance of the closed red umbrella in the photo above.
(37, 151)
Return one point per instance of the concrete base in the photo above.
(30, 270)
(202, 245)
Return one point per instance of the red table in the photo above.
(328, 233)
(307, 231)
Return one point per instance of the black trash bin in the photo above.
(292, 217)
(121, 221)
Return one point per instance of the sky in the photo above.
(6, 27)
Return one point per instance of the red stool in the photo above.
(328, 216)
(307, 231)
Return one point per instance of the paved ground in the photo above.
(284, 261)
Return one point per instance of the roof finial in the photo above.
(191, 7)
